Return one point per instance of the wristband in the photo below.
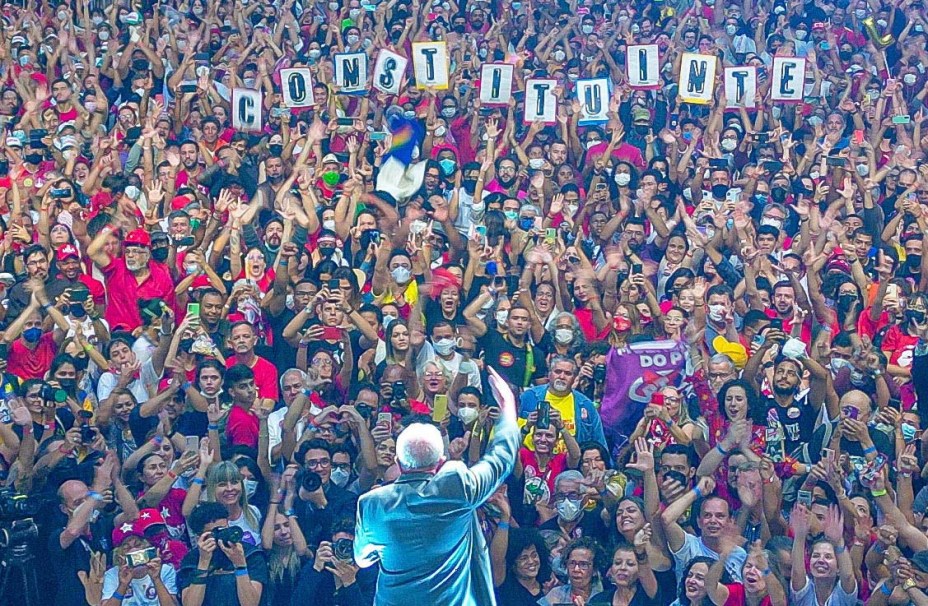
(47, 305)
(96, 496)
(886, 589)
(719, 448)
(27, 429)
(870, 450)
(172, 475)
(698, 491)
(186, 385)
(118, 596)
(199, 481)
(290, 513)
(839, 549)
(212, 427)
(88, 348)
(503, 526)
(284, 263)
(878, 493)
(241, 572)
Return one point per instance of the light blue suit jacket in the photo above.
(424, 530)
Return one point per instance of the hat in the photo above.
(67, 250)
(818, 25)
(66, 124)
(137, 237)
(179, 202)
(735, 351)
(147, 519)
(123, 532)
(14, 142)
(7, 278)
(330, 159)
(158, 236)
(641, 114)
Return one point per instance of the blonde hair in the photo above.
(227, 471)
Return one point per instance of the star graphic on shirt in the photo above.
(165, 513)
(145, 515)
(125, 527)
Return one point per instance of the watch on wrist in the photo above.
(909, 584)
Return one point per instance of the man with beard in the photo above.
(269, 243)
(579, 416)
(190, 161)
(784, 309)
(35, 258)
(507, 178)
(71, 274)
(131, 278)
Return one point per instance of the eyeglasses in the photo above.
(313, 463)
(343, 466)
(579, 564)
(573, 496)
(325, 363)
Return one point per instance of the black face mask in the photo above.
(160, 254)
(915, 316)
(326, 251)
(276, 149)
(69, 385)
(913, 261)
(846, 301)
(719, 191)
(778, 194)
(186, 345)
(469, 185)
(642, 129)
(33, 158)
(275, 179)
(77, 310)
(459, 29)
(845, 55)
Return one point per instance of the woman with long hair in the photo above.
(692, 591)
(631, 575)
(283, 541)
(630, 519)
(225, 485)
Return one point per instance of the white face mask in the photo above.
(536, 163)
(329, 224)
(440, 131)
(501, 317)
(339, 476)
(401, 274)
(729, 145)
(909, 79)
(622, 179)
(563, 335)
(443, 347)
(716, 312)
(467, 415)
(569, 510)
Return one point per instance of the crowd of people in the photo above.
(220, 308)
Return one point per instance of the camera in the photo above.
(229, 534)
(311, 481)
(51, 394)
(142, 557)
(14, 505)
(344, 550)
(599, 373)
(399, 391)
(88, 435)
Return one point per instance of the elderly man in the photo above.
(424, 528)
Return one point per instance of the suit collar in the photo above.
(408, 478)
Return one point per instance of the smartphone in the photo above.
(377, 136)
(773, 166)
(776, 324)
(332, 333)
(481, 230)
(187, 88)
(637, 268)
(58, 194)
(344, 121)
(79, 295)
(485, 111)
(834, 161)
(187, 241)
(333, 284)
(440, 407)
(804, 497)
(718, 163)
(901, 119)
(4, 168)
(543, 421)
(385, 418)
(828, 454)
(733, 195)
(850, 412)
(192, 444)
(858, 136)
(601, 186)
(512, 284)
(762, 137)
(657, 398)
(141, 557)
(550, 235)
(674, 121)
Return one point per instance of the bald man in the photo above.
(858, 440)
(423, 529)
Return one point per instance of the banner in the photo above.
(632, 375)
(642, 65)
(389, 71)
(351, 73)
(495, 84)
(788, 79)
(740, 87)
(246, 110)
(540, 102)
(593, 95)
(697, 78)
(430, 64)
(296, 84)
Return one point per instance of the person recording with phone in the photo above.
(220, 570)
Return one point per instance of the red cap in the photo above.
(147, 519)
(67, 250)
(201, 281)
(137, 237)
(179, 202)
(818, 25)
(123, 532)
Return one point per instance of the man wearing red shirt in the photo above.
(63, 95)
(242, 424)
(31, 351)
(131, 278)
(242, 340)
(71, 273)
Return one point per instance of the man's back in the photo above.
(425, 530)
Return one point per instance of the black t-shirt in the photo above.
(639, 599)
(796, 420)
(220, 584)
(67, 562)
(510, 361)
(513, 593)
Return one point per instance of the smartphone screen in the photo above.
(192, 444)
(385, 418)
(440, 408)
(193, 310)
(332, 333)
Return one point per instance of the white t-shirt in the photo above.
(806, 596)
(141, 591)
(693, 547)
(252, 533)
(141, 388)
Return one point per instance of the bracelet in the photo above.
(641, 557)
(886, 589)
(878, 493)
(171, 474)
(241, 572)
(503, 526)
(96, 496)
(212, 427)
(870, 450)
(839, 549)
(719, 448)
(118, 596)
(698, 491)
(290, 513)
(199, 481)
(284, 263)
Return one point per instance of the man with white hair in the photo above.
(423, 529)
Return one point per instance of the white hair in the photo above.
(419, 446)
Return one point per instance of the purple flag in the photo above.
(632, 375)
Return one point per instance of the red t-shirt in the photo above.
(736, 596)
(125, 292)
(899, 346)
(265, 376)
(242, 427)
(866, 327)
(32, 364)
(539, 485)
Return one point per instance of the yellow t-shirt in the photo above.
(564, 405)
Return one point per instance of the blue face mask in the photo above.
(32, 335)
(526, 223)
(448, 166)
(909, 432)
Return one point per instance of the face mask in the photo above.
(838, 363)
(592, 143)
(248, 82)
(314, 53)
(563, 335)
(97, 19)
(915, 316)
(329, 224)
(716, 312)
(354, 13)
(909, 79)
(687, 136)
(448, 112)
(333, 6)
(801, 34)
(33, 158)
(536, 163)
(909, 432)
(326, 251)
(352, 39)
(159, 254)
(467, 415)
(191, 269)
(845, 55)
(778, 194)
(339, 476)
(133, 192)
(501, 317)
(526, 223)
(409, 115)
(621, 323)
(330, 178)
(250, 487)
(586, 29)
(863, 170)
(69, 385)
(32, 335)
(443, 347)
(559, 55)
(569, 510)
(687, 192)
(731, 29)
(881, 23)
(719, 191)
(814, 175)
(772, 222)
(860, 13)
(440, 132)
(511, 215)
(729, 145)
(447, 166)
(104, 35)
(469, 185)
(572, 209)
(401, 275)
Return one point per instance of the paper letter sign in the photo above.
(297, 86)
(697, 78)
(351, 73)
(641, 61)
(430, 64)
(593, 96)
(789, 78)
(388, 72)
(540, 102)
(246, 109)
(495, 83)
(740, 86)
